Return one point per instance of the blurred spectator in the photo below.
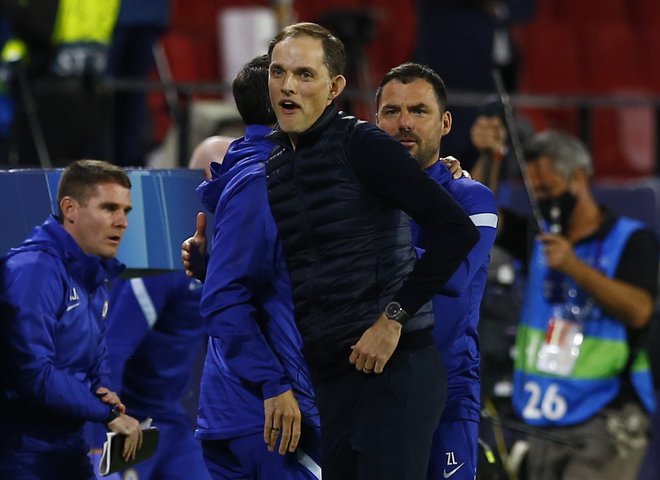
(464, 40)
(581, 370)
(139, 26)
(60, 112)
(8, 50)
(212, 149)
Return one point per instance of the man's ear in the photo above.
(69, 209)
(446, 122)
(336, 87)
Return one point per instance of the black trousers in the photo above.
(380, 427)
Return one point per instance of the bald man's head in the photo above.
(212, 149)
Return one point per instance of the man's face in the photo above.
(544, 180)
(299, 84)
(411, 114)
(99, 225)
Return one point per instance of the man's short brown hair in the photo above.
(80, 179)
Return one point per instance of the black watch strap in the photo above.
(395, 312)
(114, 413)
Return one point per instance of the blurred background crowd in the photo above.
(141, 83)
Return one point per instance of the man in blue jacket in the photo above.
(254, 374)
(411, 105)
(54, 374)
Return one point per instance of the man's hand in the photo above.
(130, 428)
(376, 345)
(559, 252)
(193, 250)
(111, 398)
(489, 134)
(454, 167)
(282, 417)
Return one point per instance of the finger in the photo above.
(354, 355)
(286, 438)
(200, 224)
(378, 367)
(369, 365)
(127, 448)
(134, 449)
(359, 363)
(295, 435)
(185, 250)
(268, 423)
(272, 440)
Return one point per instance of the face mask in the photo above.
(557, 211)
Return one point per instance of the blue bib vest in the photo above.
(545, 399)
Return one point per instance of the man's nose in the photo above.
(121, 219)
(404, 122)
(288, 84)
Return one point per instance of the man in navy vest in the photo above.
(338, 189)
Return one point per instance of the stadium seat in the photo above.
(623, 138)
(546, 10)
(587, 12)
(648, 43)
(645, 14)
(550, 65)
(624, 142)
(609, 58)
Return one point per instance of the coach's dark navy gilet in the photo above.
(347, 251)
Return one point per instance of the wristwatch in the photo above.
(114, 413)
(395, 312)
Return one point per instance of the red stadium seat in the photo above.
(550, 65)
(609, 58)
(648, 44)
(624, 142)
(546, 10)
(645, 14)
(550, 62)
(587, 12)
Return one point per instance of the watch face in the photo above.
(392, 310)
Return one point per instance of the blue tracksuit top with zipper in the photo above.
(456, 317)
(254, 345)
(53, 356)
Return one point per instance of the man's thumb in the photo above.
(200, 225)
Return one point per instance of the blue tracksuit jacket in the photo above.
(454, 449)
(53, 355)
(456, 318)
(254, 346)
